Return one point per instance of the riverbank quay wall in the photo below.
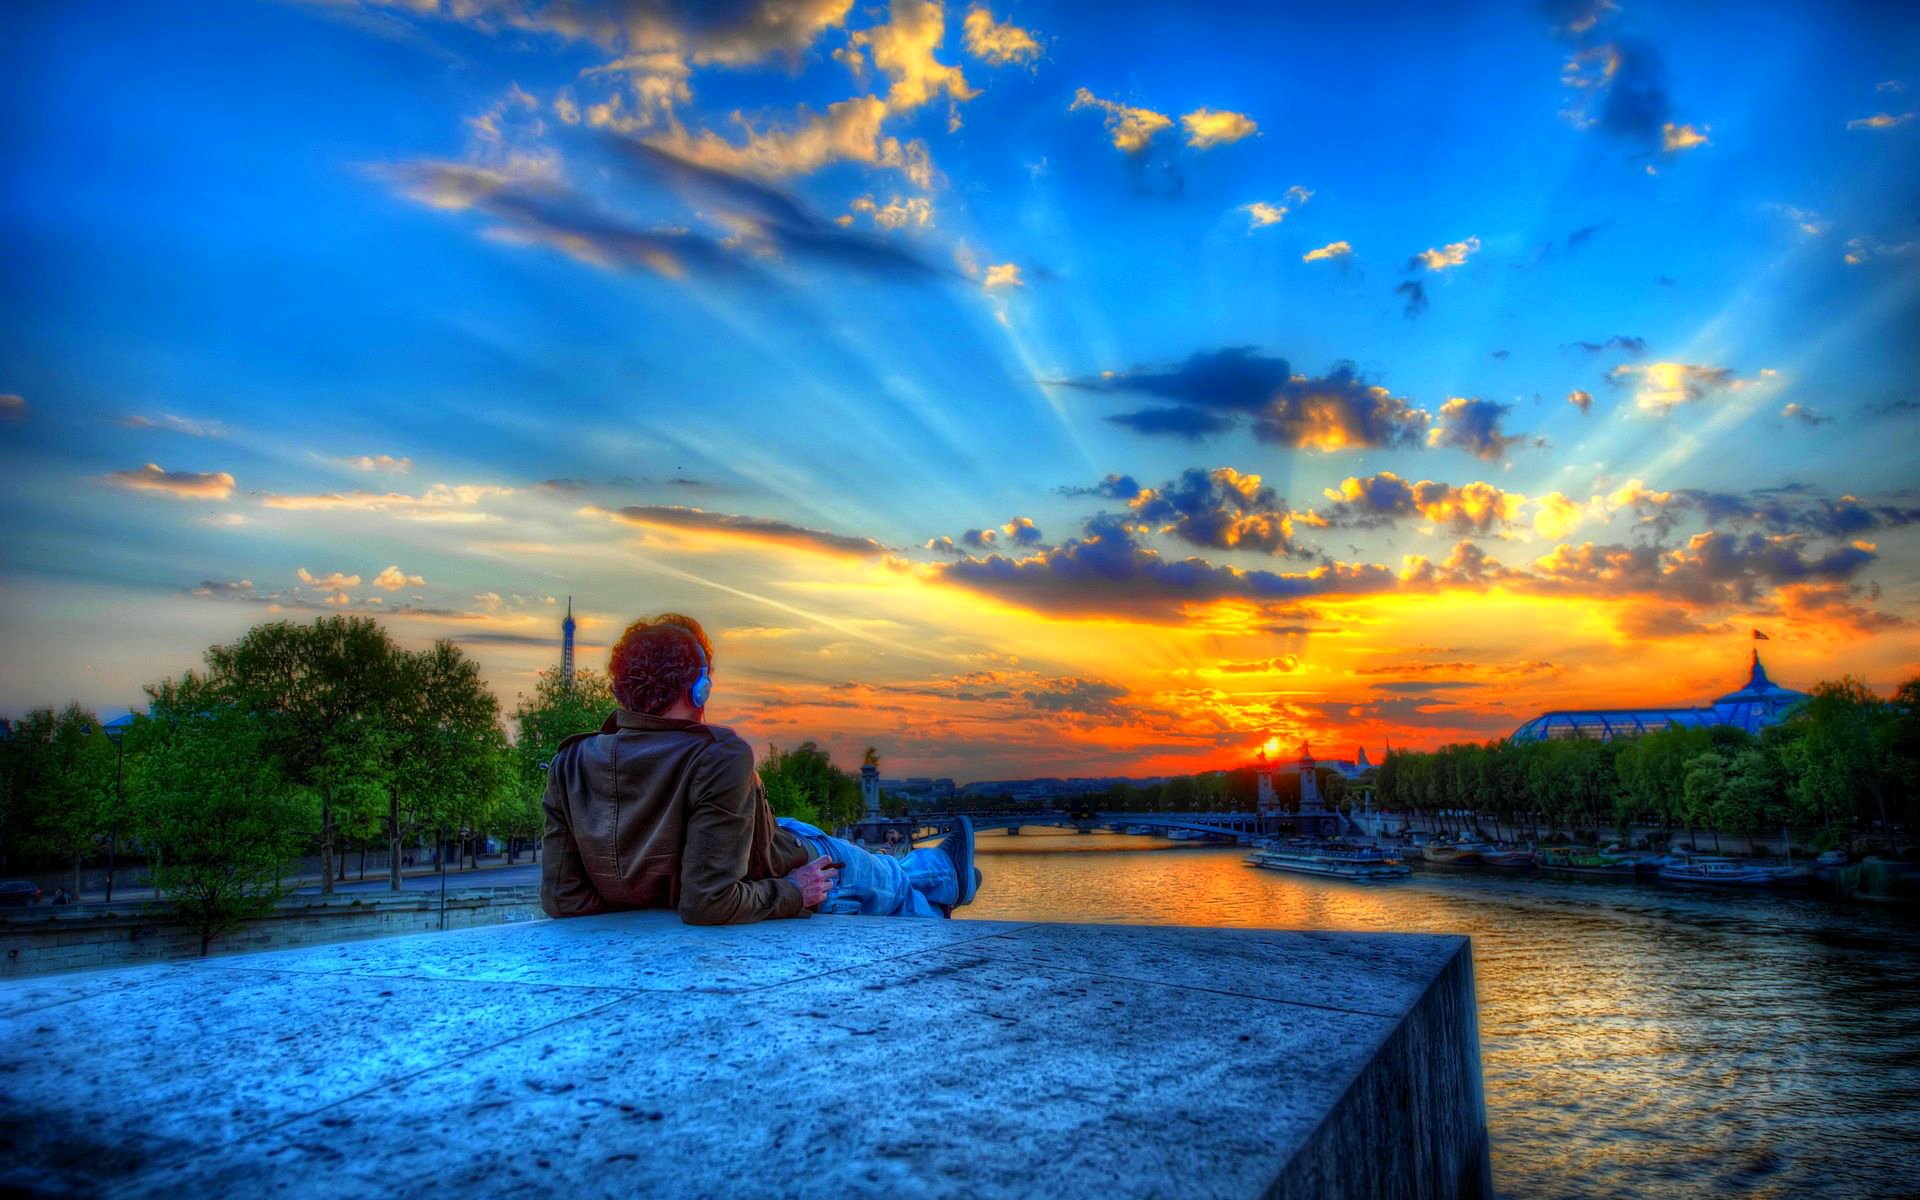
(632, 1054)
(47, 939)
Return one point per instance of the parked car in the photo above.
(19, 893)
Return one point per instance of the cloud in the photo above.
(1375, 500)
(997, 42)
(761, 221)
(1222, 509)
(1332, 250)
(538, 211)
(1808, 221)
(224, 520)
(1620, 88)
(1445, 258)
(1416, 294)
(895, 213)
(763, 530)
(375, 462)
(1130, 128)
(1792, 514)
(441, 502)
(1582, 235)
(1192, 424)
(1207, 128)
(1107, 571)
(1021, 531)
(1713, 568)
(12, 407)
(1805, 415)
(1003, 275)
(1581, 400)
(1091, 697)
(1880, 120)
(172, 424)
(1660, 387)
(1261, 214)
(764, 217)
(1577, 16)
(184, 485)
(393, 579)
(1215, 389)
(1675, 138)
(849, 130)
(1473, 425)
(209, 588)
(1619, 341)
(331, 582)
(1860, 249)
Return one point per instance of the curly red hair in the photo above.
(656, 660)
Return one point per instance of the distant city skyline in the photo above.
(1026, 389)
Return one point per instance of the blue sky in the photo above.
(702, 307)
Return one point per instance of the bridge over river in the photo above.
(1241, 826)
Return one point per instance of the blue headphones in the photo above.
(702, 685)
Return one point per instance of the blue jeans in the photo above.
(871, 885)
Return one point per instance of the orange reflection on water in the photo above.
(1635, 1039)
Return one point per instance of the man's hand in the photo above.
(815, 879)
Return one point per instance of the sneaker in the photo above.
(958, 847)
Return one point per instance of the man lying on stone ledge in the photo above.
(662, 810)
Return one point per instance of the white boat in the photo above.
(1339, 860)
(1701, 868)
(1184, 835)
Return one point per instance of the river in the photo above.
(1636, 1039)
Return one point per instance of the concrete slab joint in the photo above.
(634, 1055)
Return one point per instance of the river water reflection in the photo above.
(1636, 1039)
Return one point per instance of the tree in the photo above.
(445, 752)
(555, 712)
(320, 692)
(211, 798)
(63, 781)
(1845, 735)
(809, 779)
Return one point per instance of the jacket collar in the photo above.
(623, 718)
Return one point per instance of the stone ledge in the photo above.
(630, 1054)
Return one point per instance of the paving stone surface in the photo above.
(630, 1055)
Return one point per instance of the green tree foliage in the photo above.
(59, 786)
(803, 780)
(447, 768)
(322, 692)
(215, 805)
(1847, 760)
(553, 713)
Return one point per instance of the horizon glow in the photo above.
(1025, 389)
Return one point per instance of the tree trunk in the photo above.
(393, 839)
(363, 858)
(326, 849)
(76, 877)
(341, 854)
(1716, 839)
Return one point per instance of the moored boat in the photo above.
(1335, 859)
(1732, 872)
(1452, 854)
(1573, 860)
(1507, 859)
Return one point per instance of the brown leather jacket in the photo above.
(657, 813)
